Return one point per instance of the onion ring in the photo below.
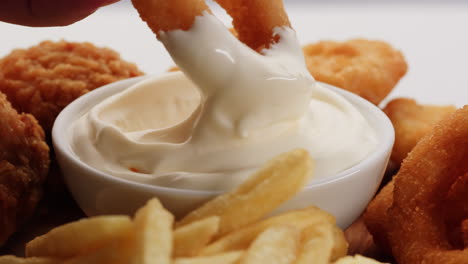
(465, 232)
(253, 20)
(376, 216)
(455, 210)
(417, 232)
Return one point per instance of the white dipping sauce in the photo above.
(232, 110)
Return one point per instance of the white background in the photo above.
(433, 36)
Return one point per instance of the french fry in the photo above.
(116, 252)
(225, 258)
(242, 238)
(317, 244)
(309, 235)
(39, 260)
(190, 239)
(274, 184)
(356, 260)
(75, 238)
(275, 245)
(340, 245)
(153, 238)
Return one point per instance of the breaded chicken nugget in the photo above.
(367, 68)
(43, 79)
(24, 163)
(411, 122)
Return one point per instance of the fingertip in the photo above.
(62, 13)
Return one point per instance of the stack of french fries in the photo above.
(228, 229)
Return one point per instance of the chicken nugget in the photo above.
(411, 122)
(367, 68)
(24, 163)
(43, 79)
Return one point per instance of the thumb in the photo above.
(48, 12)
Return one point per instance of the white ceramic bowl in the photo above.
(345, 194)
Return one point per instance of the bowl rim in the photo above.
(63, 121)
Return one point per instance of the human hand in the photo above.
(43, 13)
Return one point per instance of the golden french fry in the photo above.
(242, 238)
(75, 238)
(39, 260)
(340, 245)
(275, 245)
(309, 235)
(116, 252)
(274, 184)
(357, 260)
(190, 239)
(225, 258)
(153, 234)
(317, 244)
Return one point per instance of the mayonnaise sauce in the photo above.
(229, 111)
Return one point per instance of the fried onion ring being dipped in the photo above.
(231, 73)
(164, 15)
(417, 232)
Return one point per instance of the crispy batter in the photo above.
(255, 20)
(24, 163)
(451, 207)
(43, 79)
(164, 15)
(455, 211)
(376, 217)
(367, 68)
(417, 231)
(411, 122)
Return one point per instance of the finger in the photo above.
(48, 12)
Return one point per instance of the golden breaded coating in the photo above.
(43, 79)
(255, 20)
(24, 163)
(376, 215)
(411, 122)
(367, 68)
(164, 15)
(417, 231)
(455, 211)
